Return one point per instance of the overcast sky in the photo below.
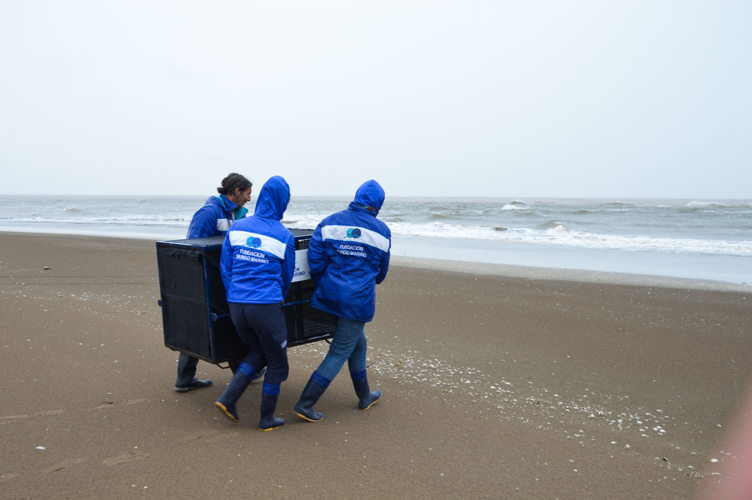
(631, 98)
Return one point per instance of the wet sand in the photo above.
(498, 383)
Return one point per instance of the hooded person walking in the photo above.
(257, 265)
(348, 255)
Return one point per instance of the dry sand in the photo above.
(517, 386)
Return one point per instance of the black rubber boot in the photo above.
(268, 404)
(194, 384)
(186, 370)
(365, 396)
(311, 394)
(228, 399)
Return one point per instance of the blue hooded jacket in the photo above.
(348, 255)
(258, 254)
(214, 218)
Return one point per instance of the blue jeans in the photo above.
(349, 345)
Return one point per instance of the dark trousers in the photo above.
(262, 328)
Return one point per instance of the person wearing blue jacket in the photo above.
(257, 265)
(348, 256)
(219, 212)
(213, 219)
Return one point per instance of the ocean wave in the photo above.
(560, 235)
(115, 221)
(550, 233)
(440, 216)
(617, 204)
(141, 220)
(515, 205)
(650, 244)
(554, 225)
(668, 226)
(716, 204)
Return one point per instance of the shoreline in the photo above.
(574, 275)
(489, 268)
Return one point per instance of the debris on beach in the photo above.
(532, 404)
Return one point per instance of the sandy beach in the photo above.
(498, 383)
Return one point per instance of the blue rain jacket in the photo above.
(214, 218)
(258, 254)
(348, 255)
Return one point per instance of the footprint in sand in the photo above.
(12, 419)
(110, 404)
(223, 435)
(128, 456)
(49, 413)
(64, 464)
(198, 435)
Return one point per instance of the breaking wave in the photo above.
(556, 233)
(516, 205)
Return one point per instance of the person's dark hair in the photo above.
(232, 182)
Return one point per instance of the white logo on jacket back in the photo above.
(362, 235)
(245, 254)
(258, 243)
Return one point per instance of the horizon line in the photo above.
(348, 196)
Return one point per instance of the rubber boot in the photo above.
(186, 380)
(365, 396)
(236, 387)
(269, 398)
(313, 390)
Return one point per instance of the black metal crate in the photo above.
(195, 315)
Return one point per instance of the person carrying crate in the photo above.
(213, 219)
(348, 255)
(257, 265)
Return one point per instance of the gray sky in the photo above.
(638, 98)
